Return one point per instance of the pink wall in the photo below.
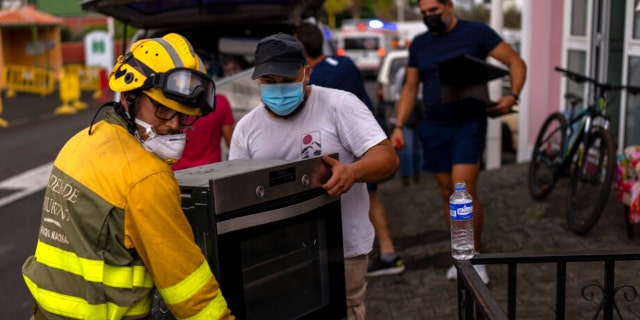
(546, 53)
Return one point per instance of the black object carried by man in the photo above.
(463, 83)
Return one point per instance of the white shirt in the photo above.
(330, 121)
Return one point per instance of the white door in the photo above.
(576, 51)
(630, 114)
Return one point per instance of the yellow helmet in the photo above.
(169, 71)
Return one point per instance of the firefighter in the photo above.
(112, 229)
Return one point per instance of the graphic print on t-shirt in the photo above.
(310, 144)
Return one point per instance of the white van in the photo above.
(365, 48)
(365, 45)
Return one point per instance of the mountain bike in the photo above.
(580, 147)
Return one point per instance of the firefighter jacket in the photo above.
(112, 229)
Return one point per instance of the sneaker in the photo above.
(452, 273)
(481, 269)
(383, 268)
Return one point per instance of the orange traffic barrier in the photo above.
(3, 122)
(90, 78)
(69, 87)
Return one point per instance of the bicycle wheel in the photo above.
(591, 181)
(547, 156)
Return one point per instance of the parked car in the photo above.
(386, 76)
(385, 83)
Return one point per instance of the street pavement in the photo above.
(513, 222)
(26, 109)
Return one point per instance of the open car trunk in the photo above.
(228, 13)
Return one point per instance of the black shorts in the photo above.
(447, 144)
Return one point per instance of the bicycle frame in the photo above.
(587, 119)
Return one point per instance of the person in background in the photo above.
(411, 155)
(298, 121)
(112, 230)
(234, 64)
(453, 143)
(339, 72)
(203, 139)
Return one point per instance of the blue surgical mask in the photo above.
(282, 98)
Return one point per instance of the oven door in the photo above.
(284, 261)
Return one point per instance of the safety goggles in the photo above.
(187, 86)
(166, 114)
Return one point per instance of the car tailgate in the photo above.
(167, 14)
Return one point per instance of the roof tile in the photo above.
(26, 16)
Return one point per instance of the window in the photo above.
(636, 20)
(579, 18)
(361, 43)
(395, 65)
(632, 132)
(577, 62)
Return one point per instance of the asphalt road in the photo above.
(32, 139)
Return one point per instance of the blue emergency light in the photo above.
(379, 24)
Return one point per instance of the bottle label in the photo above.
(461, 211)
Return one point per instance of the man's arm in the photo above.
(378, 163)
(166, 241)
(227, 131)
(517, 72)
(228, 122)
(405, 105)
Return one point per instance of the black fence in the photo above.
(475, 301)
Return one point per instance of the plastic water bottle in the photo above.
(461, 212)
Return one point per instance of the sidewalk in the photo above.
(25, 108)
(513, 222)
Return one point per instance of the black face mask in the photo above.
(434, 23)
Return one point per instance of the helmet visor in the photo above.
(187, 86)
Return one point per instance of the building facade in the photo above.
(597, 38)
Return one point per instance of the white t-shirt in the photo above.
(331, 121)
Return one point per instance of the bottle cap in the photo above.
(458, 186)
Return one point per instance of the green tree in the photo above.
(332, 8)
(356, 8)
(477, 13)
(385, 9)
(512, 16)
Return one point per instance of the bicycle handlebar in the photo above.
(604, 86)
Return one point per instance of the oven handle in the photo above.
(279, 214)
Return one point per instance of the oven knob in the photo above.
(305, 180)
(260, 192)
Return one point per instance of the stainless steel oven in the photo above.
(271, 235)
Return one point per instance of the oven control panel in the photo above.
(239, 184)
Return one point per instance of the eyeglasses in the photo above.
(166, 114)
(186, 86)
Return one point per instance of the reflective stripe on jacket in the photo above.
(112, 228)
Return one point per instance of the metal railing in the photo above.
(475, 301)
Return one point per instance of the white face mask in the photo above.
(167, 147)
